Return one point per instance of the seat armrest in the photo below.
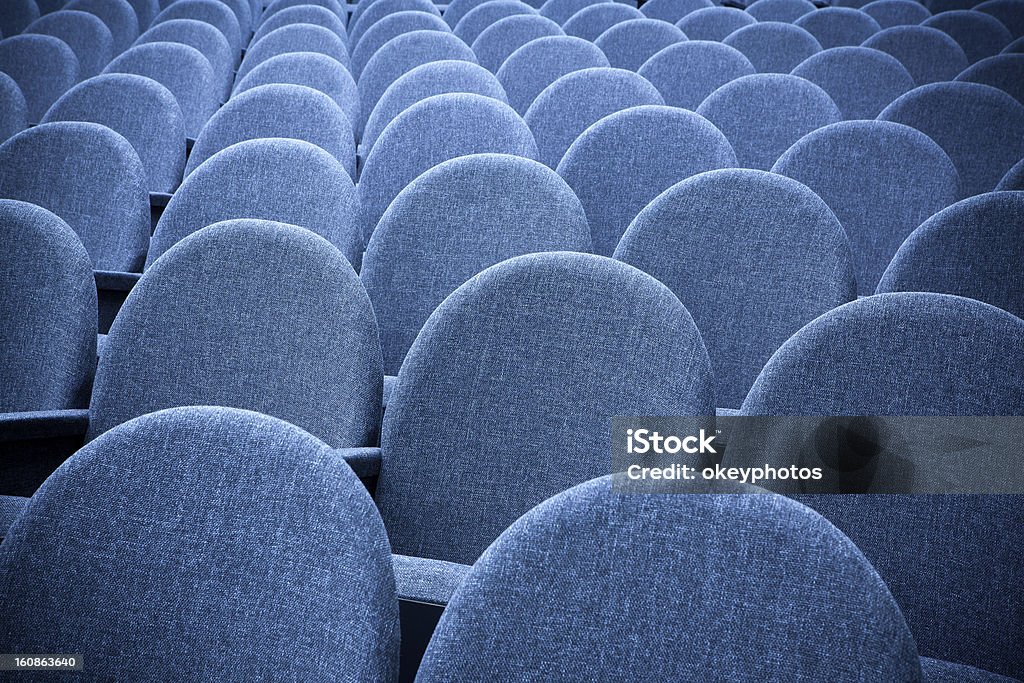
(389, 387)
(365, 462)
(159, 199)
(424, 580)
(115, 281)
(40, 424)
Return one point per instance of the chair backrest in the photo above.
(752, 255)
(839, 26)
(86, 35)
(1005, 72)
(541, 62)
(714, 23)
(854, 167)
(764, 114)
(560, 11)
(89, 176)
(118, 15)
(773, 46)
(15, 15)
(213, 12)
(390, 27)
(861, 81)
(48, 305)
(686, 73)
(44, 68)
(1014, 178)
(453, 13)
(302, 14)
(499, 40)
(13, 109)
(294, 38)
(889, 13)
(381, 9)
(592, 571)
(590, 22)
(278, 6)
(1008, 12)
(927, 53)
(787, 11)
(247, 314)
(203, 37)
(546, 330)
(450, 224)
(628, 44)
(145, 12)
(162, 518)
(981, 128)
(572, 103)
(480, 17)
(673, 10)
(980, 35)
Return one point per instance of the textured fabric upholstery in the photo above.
(480, 17)
(274, 179)
(382, 9)
(44, 68)
(928, 54)
(714, 23)
(590, 22)
(89, 176)
(541, 62)
(452, 222)
(505, 397)
(1014, 178)
(752, 255)
(161, 538)
(499, 40)
(686, 73)
(455, 11)
(389, 27)
(279, 111)
(1005, 72)
(673, 10)
(773, 46)
(118, 15)
(881, 180)
(433, 130)
(889, 13)
(980, 127)
(626, 159)
(560, 11)
(145, 12)
(13, 109)
(427, 80)
(212, 12)
(777, 588)
(980, 35)
(203, 37)
(423, 580)
(181, 69)
(628, 44)
(294, 38)
(139, 109)
(281, 326)
(939, 671)
(86, 35)
(780, 10)
(839, 26)
(15, 15)
(861, 81)
(974, 249)
(572, 103)
(303, 14)
(48, 309)
(278, 6)
(1009, 12)
(763, 114)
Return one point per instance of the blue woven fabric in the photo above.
(139, 109)
(203, 37)
(48, 305)
(938, 671)
(145, 12)
(763, 114)
(482, 16)
(590, 22)
(881, 180)
(15, 15)
(861, 81)
(118, 15)
(572, 103)
(1005, 72)
(928, 54)
(748, 289)
(212, 12)
(454, 12)
(89, 176)
(274, 179)
(980, 35)
(87, 36)
(389, 27)
(381, 9)
(839, 26)
(423, 580)
(780, 10)
(162, 536)
(335, 7)
(1008, 12)
(541, 62)
(889, 13)
(746, 588)
(973, 249)
(980, 127)
(302, 14)
(282, 327)
(44, 68)
(452, 222)
(560, 11)
(489, 417)
(1016, 47)
(714, 23)
(628, 44)
(673, 10)
(773, 46)
(1014, 178)
(294, 38)
(686, 73)
(499, 40)
(13, 109)
(622, 162)
(433, 130)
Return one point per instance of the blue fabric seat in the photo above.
(382, 9)
(590, 22)
(389, 27)
(787, 11)
(454, 221)
(773, 46)
(839, 26)
(541, 62)
(87, 36)
(203, 37)
(861, 81)
(572, 103)
(499, 40)
(1010, 14)
(673, 10)
(15, 15)
(854, 166)
(628, 44)
(433, 130)
(13, 109)
(294, 38)
(145, 12)
(981, 128)
(927, 53)
(980, 35)
(763, 114)
(134, 543)
(213, 12)
(302, 14)
(1005, 72)
(43, 67)
(48, 303)
(1016, 47)
(90, 177)
(1014, 178)
(686, 73)
(560, 11)
(277, 6)
(714, 23)
(118, 15)
(139, 109)
(453, 13)
(889, 13)
(482, 16)
(752, 255)
(243, 11)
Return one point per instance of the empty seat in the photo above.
(516, 362)
(714, 23)
(1005, 72)
(881, 180)
(861, 81)
(243, 10)
(980, 127)
(89, 176)
(686, 73)
(294, 38)
(427, 80)
(626, 159)
(780, 10)
(1010, 14)
(457, 219)
(479, 18)
(381, 9)
(134, 544)
(302, 14)
(629, 44)
(752, 255)
(763, 114)
(572, 103)
(203, 37)
(1014, 178)
(433, 130)
(139, 109)
(839, 26)
(590, 22)
(560, 11)
(118, 15)
(973, 248)
(213, 12)
(541, 62)
(673, 10)
(980, 35)
(889, 13)
(15, 15)
(454, 12)
(278, 6)
(389, 27)
(274, 179)
(505, 36)
(772, 46)
(927, 53)
(13, 109)
(87, 36)
(48, 304)
(44, 68)
(181, 69)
